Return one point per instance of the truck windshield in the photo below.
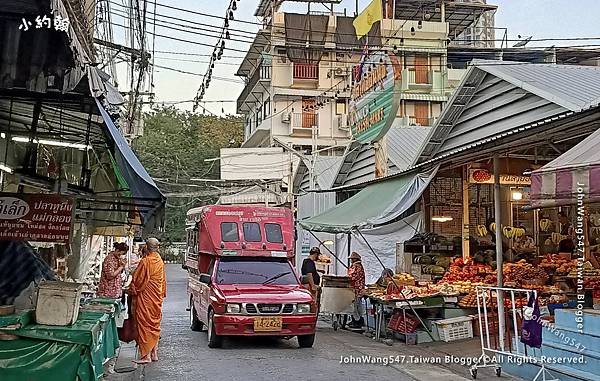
(244, 270)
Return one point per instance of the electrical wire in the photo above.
(195, 23)
(195, 29)
(198, 74)
(352, 34)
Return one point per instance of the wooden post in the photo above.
(381, 158)
(499, 257)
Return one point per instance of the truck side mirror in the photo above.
(204, 278)
(304, 279)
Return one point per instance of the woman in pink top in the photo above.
(111, 284)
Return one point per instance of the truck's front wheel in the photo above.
(306, 341)
(214, 340)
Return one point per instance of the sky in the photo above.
(537, 18)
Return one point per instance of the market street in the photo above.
(185, 356)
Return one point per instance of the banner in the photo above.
(36, 217)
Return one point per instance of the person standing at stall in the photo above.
(309, 268)
(356, 272)
(111, 283)
(148, 288)
(566, 229)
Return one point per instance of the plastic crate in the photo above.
(455, 328)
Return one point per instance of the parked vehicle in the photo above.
(242, 279)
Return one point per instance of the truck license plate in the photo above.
(267, 324)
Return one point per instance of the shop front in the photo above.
(501, 219)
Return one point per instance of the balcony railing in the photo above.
(262, 73)
(303, 122)
(408, 121)
(306, 71)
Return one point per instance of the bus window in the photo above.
(273, 233)
(252, 232)
(229, 232)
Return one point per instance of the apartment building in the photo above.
(482, 33)
(297, 83)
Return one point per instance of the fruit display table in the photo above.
(381, 305)
(40, 352)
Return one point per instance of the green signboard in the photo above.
(375, 97)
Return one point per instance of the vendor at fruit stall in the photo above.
(524, 247)
(566, 229)
(385, 278)
(356, 272)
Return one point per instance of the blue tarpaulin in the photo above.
(141, 186)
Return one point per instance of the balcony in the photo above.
(261, 74)
(417, 80)
(411, 121)
(301, 124)
(305, 72)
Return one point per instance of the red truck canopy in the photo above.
(243, 230)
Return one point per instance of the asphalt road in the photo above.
(185, 356)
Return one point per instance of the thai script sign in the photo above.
(36, 217)
(375, 97)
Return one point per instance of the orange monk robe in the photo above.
(149, 288)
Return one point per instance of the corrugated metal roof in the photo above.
(571, 86)
(325, 171)
(326, 168)
(497, 96)
(403, 145)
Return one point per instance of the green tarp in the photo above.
(42, 360)
(59, 353)
(377, 204)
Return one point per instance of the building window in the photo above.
(340, 107)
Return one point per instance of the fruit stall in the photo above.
(408, 308)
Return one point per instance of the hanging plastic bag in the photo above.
(531, 330)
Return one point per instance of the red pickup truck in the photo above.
(242, 279)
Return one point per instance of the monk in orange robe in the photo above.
(148, 288)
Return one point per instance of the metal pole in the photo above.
(499, 257)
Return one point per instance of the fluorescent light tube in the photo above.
(23, 139)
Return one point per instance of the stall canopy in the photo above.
(142, 187)
(572, 176)
(375, 205)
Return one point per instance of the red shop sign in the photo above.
(36, 217)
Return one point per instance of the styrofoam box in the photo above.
(58, 303)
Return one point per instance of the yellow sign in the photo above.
(268, 324)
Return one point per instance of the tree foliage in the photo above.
(173, 149)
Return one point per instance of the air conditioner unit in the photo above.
(286, 117)
(340, 72)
